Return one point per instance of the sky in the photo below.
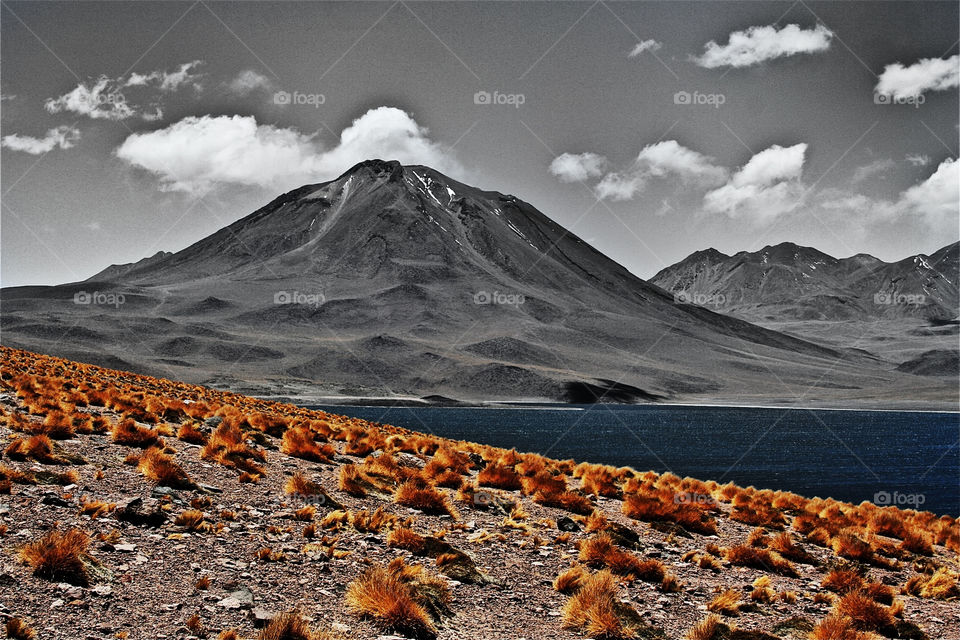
(650, 129)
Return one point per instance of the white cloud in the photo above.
(937, 199)
(934, 203)
(198, 154)
(619, 186)
(659, 160)
(874, 168)
(63, 137)
(168, 81)
(100, 100)
(645, 45)
(761, 43)
(766, 187)
(670, 157)
(577, 167)
(928, 74)
(917, 159)
(104, 98)
(248, 81)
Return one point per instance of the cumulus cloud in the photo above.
(577, 167)
(658, 160)
(645, 45)
(248, 81)
(168, 81)
(874, 168)
(761, 43)
(937, 199)
(197, 154)
(933, 203)
(917, 159)
(63, 137)
(767, 186)
(671, 157)
(619, 186)
(928, 74)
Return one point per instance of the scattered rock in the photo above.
(239, 599)
(565, 523)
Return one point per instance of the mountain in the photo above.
(790, 282)
(397, 281)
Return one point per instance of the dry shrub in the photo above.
(746, 556)
(17, 629)
(666, 507)
(836, 627)
(783, 544)
(299, 442)
(843, 581)
(191, 519)
(417, 495)
(159, 467)
(300, 485)
(917, 542)
(566, 500)
(129, 433)
(287, 626)
(726, 603)
(596, 611)
(188, 432)
(39, 447)
(864, 613)
(367, 522)
(848, 545)
(399, 598)
(570, 580)
(58, 425)
(499, 477)
(404, 538)
(761, 590)
(600, 551)
(94, 508)
(942, 585)
(706, 629)
(59, 555)
(228, 446)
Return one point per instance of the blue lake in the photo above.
(911, 459)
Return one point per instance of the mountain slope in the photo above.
(787, 281)
(398, 281)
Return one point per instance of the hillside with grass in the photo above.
(133, 507)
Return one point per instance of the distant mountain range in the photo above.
(397, 281)
(791, 282)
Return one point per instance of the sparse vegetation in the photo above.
(59, 555)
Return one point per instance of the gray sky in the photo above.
(651, 129)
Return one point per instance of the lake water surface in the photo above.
(911, 459)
